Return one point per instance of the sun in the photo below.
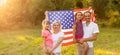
(2, 2)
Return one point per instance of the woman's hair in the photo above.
(76, 14)
(56, 21)
(44, 22)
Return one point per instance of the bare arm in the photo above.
(58, 43)
(74, 30)
(94, 35)
(93, 38)
(45, 43)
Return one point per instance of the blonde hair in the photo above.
(44, 22)
(56, 21)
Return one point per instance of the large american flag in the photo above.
(66, 18)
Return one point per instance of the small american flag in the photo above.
(66, 18)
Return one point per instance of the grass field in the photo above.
(28, 42)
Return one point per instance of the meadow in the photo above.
(28, 42)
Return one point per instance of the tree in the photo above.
(100, 7)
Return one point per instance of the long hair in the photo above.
(44, 22)
(76, 15)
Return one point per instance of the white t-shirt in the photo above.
(89, 31)
(55, 38)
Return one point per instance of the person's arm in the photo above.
(94, 35)
(44, 42)
(93, 38)
(74, 30)
(44, 36)
(57, 44)
(46, 50)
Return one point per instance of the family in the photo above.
(83, 35)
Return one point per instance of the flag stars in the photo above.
(64, 17)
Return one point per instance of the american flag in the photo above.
(66, 18)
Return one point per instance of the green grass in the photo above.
(28, 42)
(20, 42)
(108, 41)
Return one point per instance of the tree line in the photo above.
(16, 14)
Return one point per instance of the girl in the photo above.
(57, 37)
(78, 32)
(46, 34)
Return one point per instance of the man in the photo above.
(90, 34)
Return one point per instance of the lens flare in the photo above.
(2, 2)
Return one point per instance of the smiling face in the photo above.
(78, 16)
(46, 24)
(87, 16)
(56, 26)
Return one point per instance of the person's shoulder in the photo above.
(74, 22)
(45, 31)
(93, 23)
(84, 23)
(61, 32)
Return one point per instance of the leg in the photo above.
(48, 48)
(46, 52)
(90, 51)
(79, 49)
(56, 53)
(49, 53)
(85, 48)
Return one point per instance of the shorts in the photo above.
(89, 52)
(78, 37)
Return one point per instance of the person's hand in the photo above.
(74, 40)
(82, 40)
(50, 51)
(46, 51)
(46, 12)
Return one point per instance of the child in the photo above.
(78, 32)
(46, 34)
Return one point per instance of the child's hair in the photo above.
(44, 22)
(76, 14)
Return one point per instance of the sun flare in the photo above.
(2, 2)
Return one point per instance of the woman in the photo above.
(57, 37)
